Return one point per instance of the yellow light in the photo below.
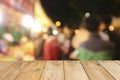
(58, 23)
(44, 29)
(111, 28)
(77, 31)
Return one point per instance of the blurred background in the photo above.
(25, 26)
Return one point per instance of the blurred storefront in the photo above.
(12, 14)
(21, 20)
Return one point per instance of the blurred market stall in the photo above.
(20, 21)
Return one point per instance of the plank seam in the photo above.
(9, 68)
(64, 69)
(85, 70)
(117, 62)
(20, 70)
(6, 66)
(106, 70)
(43, 70)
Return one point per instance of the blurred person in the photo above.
(39, 42)
(115, 37)
(95, 48)
(74, 55)
(78, 38)
(104, 36)
(67, 47)
(61, 39)
(82, 37)
(61, 35)
(52, 49)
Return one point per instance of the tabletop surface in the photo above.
(60, 70)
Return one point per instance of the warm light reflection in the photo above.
(41, 16)
(44, 29)
(36, 27)
(45, 36)
(111, 28)
(24, 39)
(77, 31)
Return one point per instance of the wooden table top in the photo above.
(60, 70)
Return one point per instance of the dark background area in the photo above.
(70, 12)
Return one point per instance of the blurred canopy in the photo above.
(70, 12)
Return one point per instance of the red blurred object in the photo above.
(7, 2)
(52, 49)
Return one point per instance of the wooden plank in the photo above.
(4, 65)
(95, 71)
(74, 71)
(32, 71)
(11, 70)
(53, 71)
(117, 61)
(112, 67)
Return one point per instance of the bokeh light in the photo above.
(55, 32)
(77, 31)
(111, 28)
(27, 21)
(87, 14)
(36, 27)
(58, 23)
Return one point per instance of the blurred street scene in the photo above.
(59, 30)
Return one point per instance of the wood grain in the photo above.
(10, 71)
(112, 67)
(74, 71)
(32, 71)
(60, 70)
(95, 71)
(53, 71)
(4, 65)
